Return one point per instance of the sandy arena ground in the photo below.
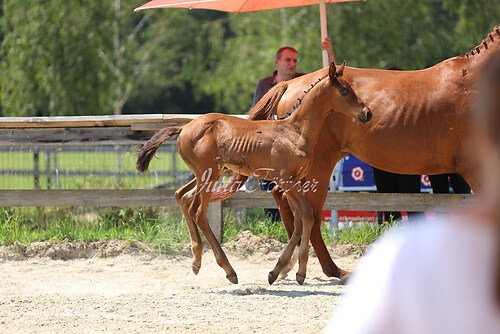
(118, 289)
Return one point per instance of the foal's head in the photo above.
(343, 98)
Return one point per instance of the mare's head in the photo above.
(343, 98)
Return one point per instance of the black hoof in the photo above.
(195, 269)
(300, 279)
(271, 278)
(232, 279)
(343, 279)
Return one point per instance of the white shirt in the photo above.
(433, 278)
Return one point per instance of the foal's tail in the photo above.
(266, 108)
(147, 150)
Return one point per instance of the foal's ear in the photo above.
(332, 72)
(340, 71)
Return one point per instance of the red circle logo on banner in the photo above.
(358, 174)
(425, 180)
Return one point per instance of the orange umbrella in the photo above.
(241, 6)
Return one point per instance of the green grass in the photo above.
(257, 225)
(163, 232)
(363, 235)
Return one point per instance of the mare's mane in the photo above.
(493, 36)
(267, 106)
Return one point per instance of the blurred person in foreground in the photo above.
(440, 277)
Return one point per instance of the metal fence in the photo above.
(88, 167)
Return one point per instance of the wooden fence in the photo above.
(134, 129)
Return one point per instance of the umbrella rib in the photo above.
(242, 5)
(192, 2)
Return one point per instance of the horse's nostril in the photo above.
(365, 115)
(369, 115)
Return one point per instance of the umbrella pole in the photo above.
(324, 30)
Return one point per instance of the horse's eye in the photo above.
(344, 91)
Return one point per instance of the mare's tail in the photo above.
(147, 150)
(266, 108)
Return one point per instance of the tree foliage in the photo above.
(88, 57)
(48, 67)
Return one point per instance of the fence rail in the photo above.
(242, 199)
(132, 129)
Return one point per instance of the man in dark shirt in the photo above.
(286, 69)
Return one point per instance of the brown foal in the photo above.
(278, 150)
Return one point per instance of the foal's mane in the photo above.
(300, 99)
(493, 36)
(267, 106)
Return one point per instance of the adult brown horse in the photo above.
(420, 125)
(273, 150)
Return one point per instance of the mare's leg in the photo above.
(317, 201)
(184, 197)
(201, 214)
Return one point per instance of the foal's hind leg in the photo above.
(184, 197)
(303, 222)
(201, 213)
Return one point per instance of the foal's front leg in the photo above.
(287, 253)
(307, 224)
(287, 219)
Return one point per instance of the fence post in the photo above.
(215, 219)
(36, 168)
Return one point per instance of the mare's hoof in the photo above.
(300, 279)
(271, 278)
(344, 273)
(195, 269)
(345, 276)
(232, 279)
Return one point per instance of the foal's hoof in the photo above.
(232, 279)
(195, 269)
(271, 278)
(300, 279)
